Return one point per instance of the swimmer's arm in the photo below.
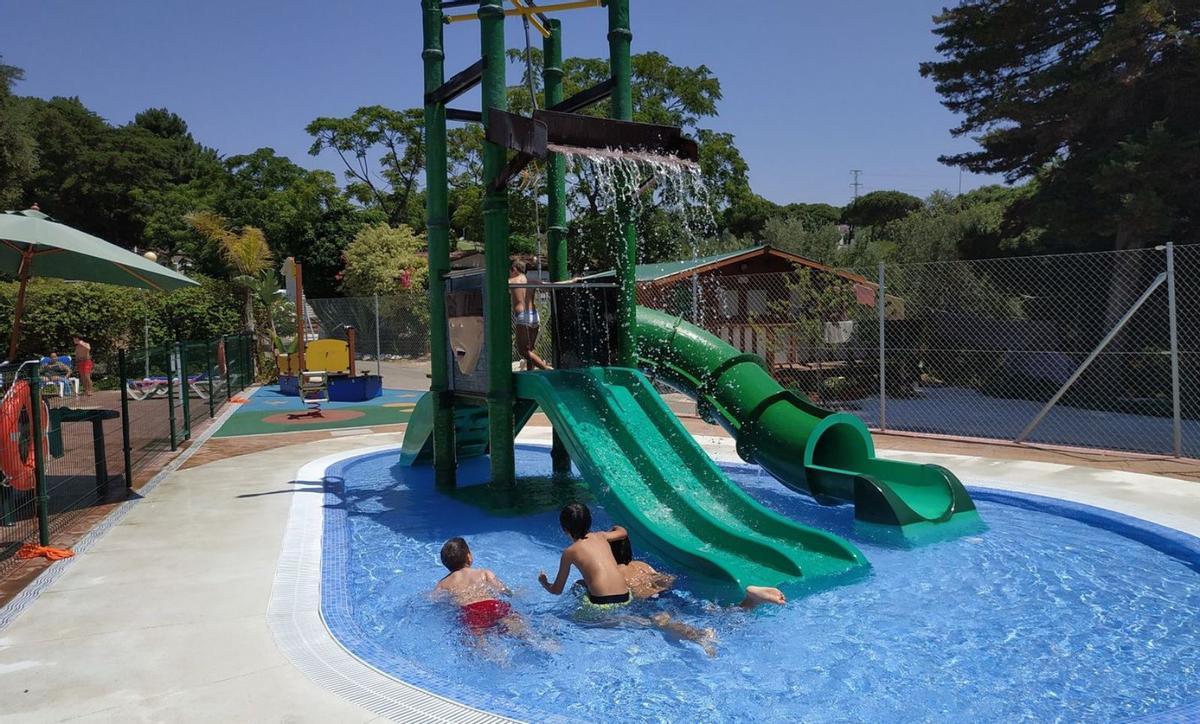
(616, 533)
(560, 581)
(496, 583)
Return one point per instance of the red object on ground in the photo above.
(30, 550)
(239, 400)
(482, 615)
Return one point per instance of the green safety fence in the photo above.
(97, 446)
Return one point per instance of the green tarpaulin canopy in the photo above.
(33, 244)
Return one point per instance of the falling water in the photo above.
(640, 180)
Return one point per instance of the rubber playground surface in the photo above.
(267, 412)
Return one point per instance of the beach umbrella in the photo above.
(33, 244)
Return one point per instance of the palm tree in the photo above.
(245, 251)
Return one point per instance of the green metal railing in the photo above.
(94, 449)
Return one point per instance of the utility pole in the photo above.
(856, 184)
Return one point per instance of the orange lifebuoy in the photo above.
(16, 436)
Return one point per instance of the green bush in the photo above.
(111, 317)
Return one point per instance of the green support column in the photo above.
(556, 198)
(556, 164)
(498, 315)
(438, 233)
(620, 37)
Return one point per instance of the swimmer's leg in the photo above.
(758, 595)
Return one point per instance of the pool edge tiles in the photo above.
(294, 615)
(334, 605)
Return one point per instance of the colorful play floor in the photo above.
(266, 412)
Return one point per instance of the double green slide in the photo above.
(651, 475)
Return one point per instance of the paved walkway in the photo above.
(165, 617)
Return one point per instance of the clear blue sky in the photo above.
(811, 89)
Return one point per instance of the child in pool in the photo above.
(606, 587)
(645, 582)
(590, 552)
(475, 591)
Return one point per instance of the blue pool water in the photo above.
(1040, 617)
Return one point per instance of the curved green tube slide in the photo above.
(828, 454)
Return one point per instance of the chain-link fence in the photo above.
(1072, 350)
(101, 432)
(387, 328)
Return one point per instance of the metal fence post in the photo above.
(171, 395)
(126, 446)
(208, 375)
(882, 305)
(378, 349)
(224, 355)
(1176, 412)
(184, 390)
(247, 356)
(41, 494)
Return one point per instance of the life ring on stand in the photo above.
(16, 436)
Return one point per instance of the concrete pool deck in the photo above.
(166, 615)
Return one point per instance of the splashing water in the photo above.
(641, 181)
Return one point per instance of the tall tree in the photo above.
(18, 153)
(376, 136)
(1096, 98)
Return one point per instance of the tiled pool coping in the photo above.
(311, 617)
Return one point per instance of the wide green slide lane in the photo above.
(652, 477)
(828, 454)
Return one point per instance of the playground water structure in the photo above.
(607, 417)
(1056, 612)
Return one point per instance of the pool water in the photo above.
(1040, 617)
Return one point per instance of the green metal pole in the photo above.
(620, 37)
(41, 494)
(556, 164)
(171, 395)
(556, 199)
(126, 446)
(498, 319)
(184, 391)
(228, 380)
(437, 213)
(208, 374)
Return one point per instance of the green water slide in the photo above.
(828, 454)
(652, 477)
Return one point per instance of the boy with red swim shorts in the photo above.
(476, 592)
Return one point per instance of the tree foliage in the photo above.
(18, 156)
(880, 207)
(387, 261)
(376, 135)
(1094, 98)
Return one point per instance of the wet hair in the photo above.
(454, 554)
(519, 266)
(622, 550)
(576, 520)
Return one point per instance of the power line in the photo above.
(856, 184)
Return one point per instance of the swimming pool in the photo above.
(1040, 617)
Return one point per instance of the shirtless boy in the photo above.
(475, 591)
(525, 318)
(83, 362)
(591, 554)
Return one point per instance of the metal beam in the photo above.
(461, 83)
(585, 98)
(538, 10)
(463, 115)
(1158, 282)
(533, 135)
